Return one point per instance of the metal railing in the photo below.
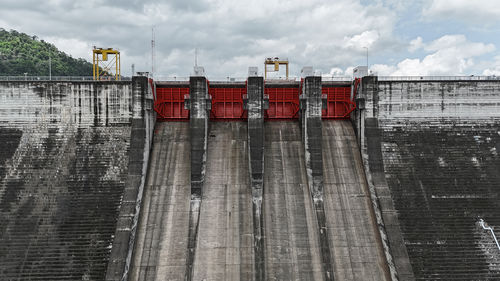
(171, 78)
(481, 221)
(59, 78)
(438, 78)
(228, 79)
(326, 78)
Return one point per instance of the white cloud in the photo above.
(446, 41)
(382, 69)
(77, 48)
(494, 68)
(335, 71)
(416, 44)
(365, 39)
(229, 36)
(329, 35)
(477, 12)
(451, 55)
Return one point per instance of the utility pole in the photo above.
(133, 70)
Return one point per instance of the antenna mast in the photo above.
(152, 51)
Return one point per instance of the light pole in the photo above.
(50, 68)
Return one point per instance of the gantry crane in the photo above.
(276, 62)
(104, 71)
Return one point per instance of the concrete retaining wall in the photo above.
(64, 171)
(141, 139)
(435, 100)
(81, 104)
(430, 153)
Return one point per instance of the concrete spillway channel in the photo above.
(291, 233)
(224, 244)
(162, 237)
(225, 236)
(356, 246)
(224, 247)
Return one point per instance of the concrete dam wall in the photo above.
(276, 200)
(69, 153)
(396, 193)
(225, 247)
(431, 152)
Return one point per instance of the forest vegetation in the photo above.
(21, 53)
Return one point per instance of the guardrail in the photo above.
(209, 78)
(171, 78)
(59, 78)
(437, 78)
(326, 78)
(228, 79)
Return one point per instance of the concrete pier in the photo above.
(310, 117)
(199, 105)
(143, 122)
(255, 107)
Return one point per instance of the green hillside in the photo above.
(21, 53)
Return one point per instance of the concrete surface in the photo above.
(255, 128)
(74, 159)
(444, 180)
(161, 246)
(356, 247)
(63, 168)
(199, 113)
(224, 249)
(431, 151)
(143, 122)
(291, 233)
(312, 138)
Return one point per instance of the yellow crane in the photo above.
(276, 62)
(103, 66)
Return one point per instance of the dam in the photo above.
(377, 178)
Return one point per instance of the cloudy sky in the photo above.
(403, 37)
